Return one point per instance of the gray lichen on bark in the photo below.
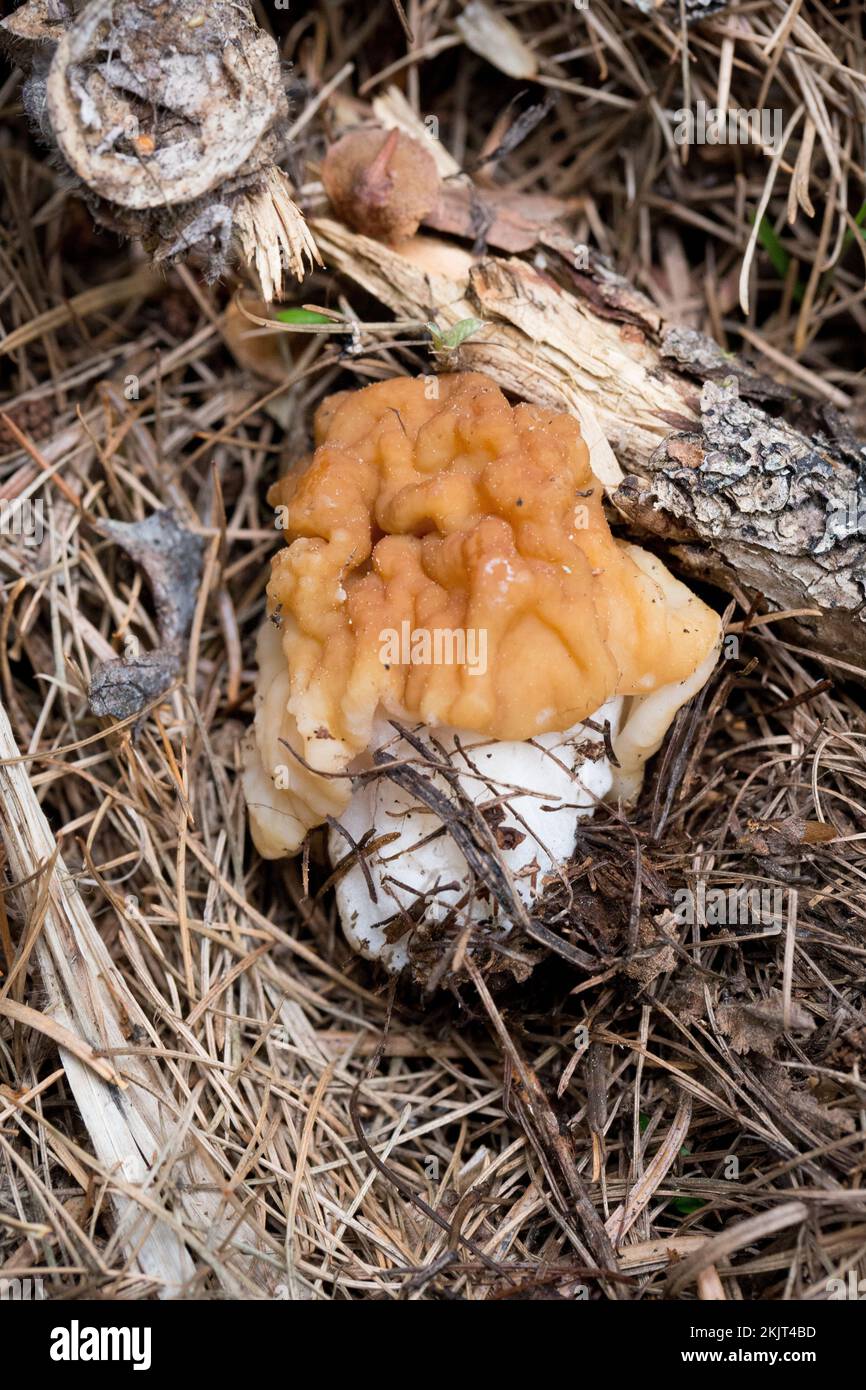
(700, 354)
(784, 513)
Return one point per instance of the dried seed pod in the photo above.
(382, 183)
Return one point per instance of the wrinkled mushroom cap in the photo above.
(435, 503)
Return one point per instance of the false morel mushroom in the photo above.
(450, 587)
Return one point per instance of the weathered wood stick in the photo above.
(755, 489)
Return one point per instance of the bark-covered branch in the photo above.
(758, 489)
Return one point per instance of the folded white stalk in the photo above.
(544, 787)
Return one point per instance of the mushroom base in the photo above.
(400, 872)
(533, 796)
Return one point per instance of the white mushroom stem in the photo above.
(544, 788)
(647, 721)
(647, 718)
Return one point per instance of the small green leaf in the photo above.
(859, 219)
(686, 1205)
(449, 339)
(643, 1121)
(775, 250)
(302, 316)
(779, 258)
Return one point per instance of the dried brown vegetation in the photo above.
(202, 1092)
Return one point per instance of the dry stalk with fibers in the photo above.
(150, 1158)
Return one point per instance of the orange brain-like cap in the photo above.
(434, 502)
